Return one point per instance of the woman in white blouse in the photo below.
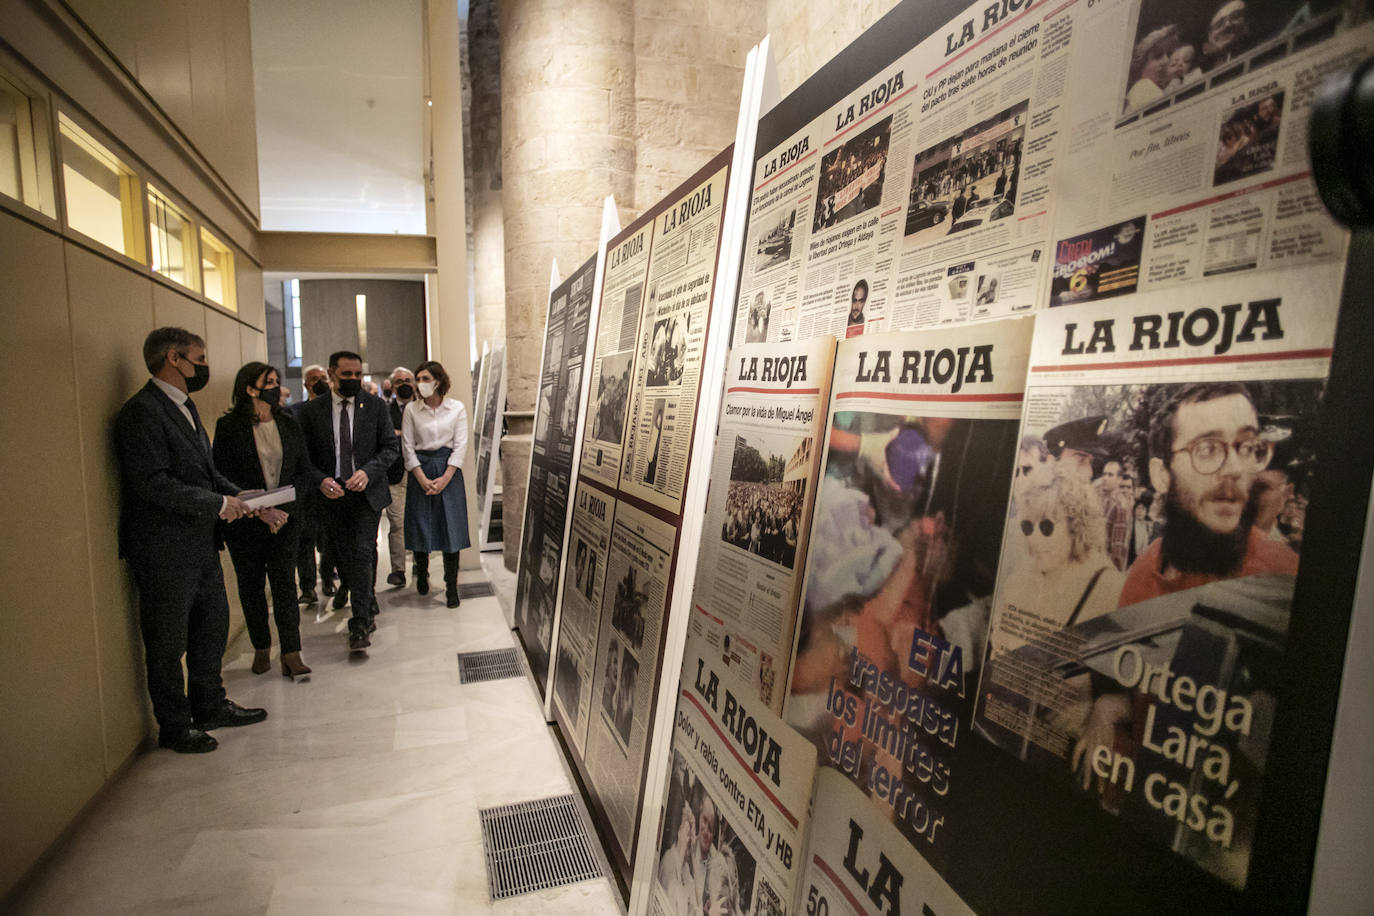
(434, 439)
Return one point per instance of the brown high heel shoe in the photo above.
(262, 660)
(292, 666)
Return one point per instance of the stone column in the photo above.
(567, 140)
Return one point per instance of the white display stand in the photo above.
(496, 368)
(759, 93)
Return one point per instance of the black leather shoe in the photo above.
(327, 587)
(397, 579)
(187, 741)
(309, 597)
(230, 715)
(340, 598)
(358, 641)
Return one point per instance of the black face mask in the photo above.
(270, 396)
(319, 388)
(198, 381)
(349, 387)
(405, 391)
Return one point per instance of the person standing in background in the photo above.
(434, 439)
(258, 443)
(402, 387)
(350, 443)
(171, 499)
(316, 386)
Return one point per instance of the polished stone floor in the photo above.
(359, 794)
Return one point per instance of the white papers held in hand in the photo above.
(269, 498)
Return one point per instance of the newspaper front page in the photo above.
(546, 502)
(902, 564)
(922, 198)
(736, 811)
(672, 335)
(1151, 547)
(583, 587)
(758, 513)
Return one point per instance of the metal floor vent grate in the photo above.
(536, 845)
(491, 665)
(475, 590)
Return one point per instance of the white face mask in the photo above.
(426, 389)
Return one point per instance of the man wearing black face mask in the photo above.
(316, 381)
(172, 497)
(351, 443)
(403, 392)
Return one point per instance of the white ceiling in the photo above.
(340, 103)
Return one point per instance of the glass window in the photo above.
(101, 192)
(294, 350)
(217, 266)
(173, 240)
(25, 164)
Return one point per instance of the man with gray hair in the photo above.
(403, 392)
(316, 379)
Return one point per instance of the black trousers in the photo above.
(182, 609)
(351, 523)
(311, 537)
(259, 554)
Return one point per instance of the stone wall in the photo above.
(487, 240)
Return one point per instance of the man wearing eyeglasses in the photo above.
(1205, 456)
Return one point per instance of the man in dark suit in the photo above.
(351, 442)
(402, 393)
(316, 386)
(171, 498)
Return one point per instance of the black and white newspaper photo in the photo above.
(1152, 542)
(903, 561)
(734, 819)
(758, 513)
(633, 603)
(672, 338)
(622, 302)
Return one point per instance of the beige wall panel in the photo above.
(114, 25)
(170, 308)
(222, 348)
(164, 60)
(248, 282)
(238, 161)
(51, 751)
(253, 345)
(112, 311)
(210, 128)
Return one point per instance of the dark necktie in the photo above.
(195, 421)
(345, 442)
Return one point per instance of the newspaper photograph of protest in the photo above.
(968, 180)
(607, 418)
(766, 494)
(1183, 48)
(774, 245)
(618, 689)
(1249, 140)
(567, 677)
(851, 176)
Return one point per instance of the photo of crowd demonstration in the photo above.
(1164, 521)
(760, 310)
(1183, 47)
(775, 245)
(703, 866)
(1248, 143)
(627, 613)
(763, 504)
(608, 402)
(618, 689)
(970, 179)
(851, 180)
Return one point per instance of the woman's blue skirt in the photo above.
(436, 522)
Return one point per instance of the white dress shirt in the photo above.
(178, 397)
(268, 440)
(424, 428)
(352, 427)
